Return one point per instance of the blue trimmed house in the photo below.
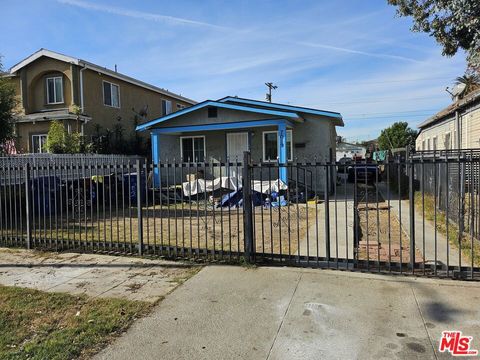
(213, 131)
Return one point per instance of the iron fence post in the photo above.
(411, 196)
(139, 166)
(327, 212)
(247, 209)
(27, 206)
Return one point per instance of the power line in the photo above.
(380, 100)
(391, 112)
(387, 116)
(399, 81)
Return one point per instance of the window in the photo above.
(212, 112)
(55, 90)
(192, 148)
(111, 94)
(180, 106)
(448, 141)
(270, 146)
(434, 142)
(428, 144)
(166, 107)
(38, 143)
(423, 145)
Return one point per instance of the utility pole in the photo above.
(270, 87)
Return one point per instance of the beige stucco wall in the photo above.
(24, 132)
(36, 74)
(131, 97)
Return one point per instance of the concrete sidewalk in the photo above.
(227, 312)
(433, 248)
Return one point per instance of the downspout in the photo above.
(81, 89)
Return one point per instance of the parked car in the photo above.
(364, 172)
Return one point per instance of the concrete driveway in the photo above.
(227, 312)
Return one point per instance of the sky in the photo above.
(352, 56)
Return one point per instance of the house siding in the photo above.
(469, 126)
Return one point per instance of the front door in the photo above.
(237, 143)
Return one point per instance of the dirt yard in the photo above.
(190, 226)
(381, 237)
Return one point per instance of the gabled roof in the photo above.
(207, 103)
(97, 68)
(450, 109)
(299, 109)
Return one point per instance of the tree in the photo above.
(471, 82)
(399, 135)
(7, 106)
(453, 23)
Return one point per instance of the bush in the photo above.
(56, 138)
(60, 142)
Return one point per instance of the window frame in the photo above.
(449, 134)
(276, 132)
(54, 89)
(164, 108)
(103, 92)
(32, 136)
(193, 143)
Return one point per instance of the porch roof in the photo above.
(272, 112)
(62, 114)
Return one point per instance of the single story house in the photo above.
(221, 130)
(455, 127)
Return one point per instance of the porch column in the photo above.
(282, 151)
(156, 158)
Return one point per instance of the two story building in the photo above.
(52, 86)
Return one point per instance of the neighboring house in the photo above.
(50, 86)
(347, 150)
(214, 131)
(455, 127)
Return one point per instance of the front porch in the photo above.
(267, 141)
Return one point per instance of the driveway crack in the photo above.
(284, 316)
(424, 322)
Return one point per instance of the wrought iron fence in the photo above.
(319, 214)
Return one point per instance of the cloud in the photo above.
(140, 15)
(359, 52)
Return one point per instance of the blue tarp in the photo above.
(235, 198)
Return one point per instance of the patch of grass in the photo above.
(453, 232)
(186, 275)
(39, 325)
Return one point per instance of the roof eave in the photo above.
(149, 124)
(97, 68)
(300, 109)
